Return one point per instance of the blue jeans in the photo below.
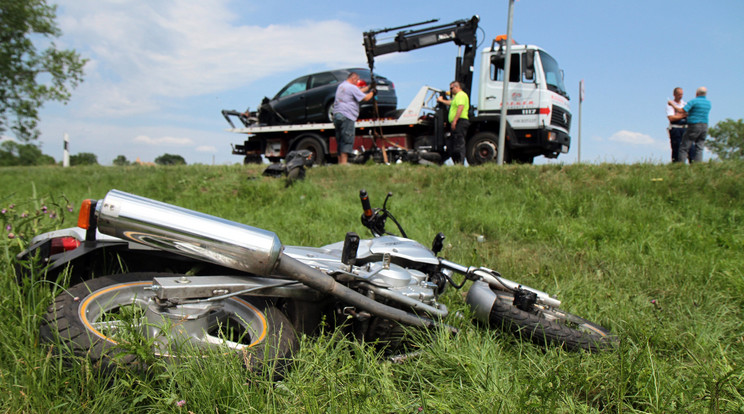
(675, 139)
(694, 136)
(344, 133)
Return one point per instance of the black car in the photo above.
(310, 98)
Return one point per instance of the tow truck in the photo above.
(538, 110)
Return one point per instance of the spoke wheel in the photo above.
(112, 319)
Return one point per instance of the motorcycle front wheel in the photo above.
(114, 320)
(541, 325)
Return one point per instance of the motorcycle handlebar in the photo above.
(365, 203)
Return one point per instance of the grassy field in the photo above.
(653, 252)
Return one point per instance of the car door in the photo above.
(320, 93)
(290, 101)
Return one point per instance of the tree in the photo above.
(84, 158)
(13, 153)
(170, 159)
(30, 77)
(727, 139)
(121, 161)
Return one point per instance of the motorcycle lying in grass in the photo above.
(182, 278)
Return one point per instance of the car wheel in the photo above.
(329, 111)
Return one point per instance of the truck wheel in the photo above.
(483, 148)
(313, 144)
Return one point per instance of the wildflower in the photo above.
(180, 403)
(43, 209)
(3, 211)
(11, 207)
(11, 236)
(25, 214)
(69, 208)
(52, 215)
(8, 227)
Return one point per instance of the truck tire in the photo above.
(483, 148)
(314, 144)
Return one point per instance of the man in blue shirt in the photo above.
(697, 111)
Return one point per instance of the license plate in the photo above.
(564, 149)
(382, 88)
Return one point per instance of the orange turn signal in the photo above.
(84, 215)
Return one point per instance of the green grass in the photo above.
(653, 252)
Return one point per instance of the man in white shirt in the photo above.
(677, 125)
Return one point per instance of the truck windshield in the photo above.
(553, 75)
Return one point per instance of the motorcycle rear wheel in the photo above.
(548, 326)
(108, 319)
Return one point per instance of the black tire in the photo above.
(549, 326)
(312, 144)
(89, 320)
(483, 147)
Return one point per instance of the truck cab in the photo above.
(538, 106)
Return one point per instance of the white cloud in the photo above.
(633, 138)
(164, 141)
(206, 148)
(142, 51)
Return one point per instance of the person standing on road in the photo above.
(346, 111)
(459, 107)
(696, 111)
(677, 124)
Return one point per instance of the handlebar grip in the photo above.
(365, 203)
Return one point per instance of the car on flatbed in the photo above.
(309, 98)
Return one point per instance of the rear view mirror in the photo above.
(528, 63)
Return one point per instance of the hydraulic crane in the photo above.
(460, 32)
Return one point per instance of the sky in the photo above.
(160, 72)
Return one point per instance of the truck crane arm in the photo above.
(460, 32)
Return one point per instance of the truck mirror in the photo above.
(529, 64)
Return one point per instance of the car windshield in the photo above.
(297, 85)
(553, 74)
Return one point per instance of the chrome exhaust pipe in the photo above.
(189, 233)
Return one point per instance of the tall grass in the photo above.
(653, 252)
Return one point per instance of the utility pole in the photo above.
(66, 154)
(507, 67)
(581, 101)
